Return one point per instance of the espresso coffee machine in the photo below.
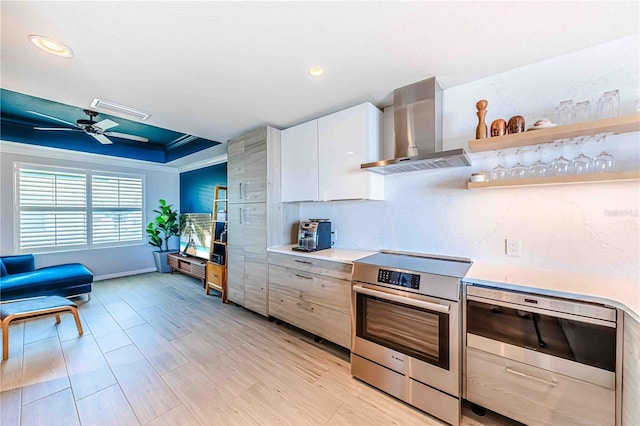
(314, 235)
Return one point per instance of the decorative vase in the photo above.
(498, 127)
(162, 264)
(515, 124)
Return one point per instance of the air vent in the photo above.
(104, 105)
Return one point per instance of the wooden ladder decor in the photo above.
(216, 270)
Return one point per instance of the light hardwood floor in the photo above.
(157, 351)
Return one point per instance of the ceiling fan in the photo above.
(98, 130)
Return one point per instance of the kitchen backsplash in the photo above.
(590, 228)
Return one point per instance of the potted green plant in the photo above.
(163, 227)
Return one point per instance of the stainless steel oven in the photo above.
(562, 346)
(406, 328)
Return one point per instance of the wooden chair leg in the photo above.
(5, 340)
(74, 311)
(57, 318)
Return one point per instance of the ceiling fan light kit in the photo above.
(122, 109)
(50, 46)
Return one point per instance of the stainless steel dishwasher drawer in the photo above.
(533, 395)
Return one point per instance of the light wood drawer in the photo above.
(533, 395)
(215, 274)
(315, 266)
(329, 292)
(324, 322)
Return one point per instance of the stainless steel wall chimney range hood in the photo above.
(417, 119)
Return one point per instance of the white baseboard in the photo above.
(123, 274)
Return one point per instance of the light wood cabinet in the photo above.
(324, 156)
(247, 167)
(631, 372)
(247, 249)
(312, 294)
(256, 216)
(533, 395)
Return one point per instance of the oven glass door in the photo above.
(575, 340)
(414, 331)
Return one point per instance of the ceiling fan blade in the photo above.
(106, 124)
(55, 128)
(52, 118)
(126, 136)
(101, 138)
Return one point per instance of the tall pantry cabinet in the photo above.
(257, 218)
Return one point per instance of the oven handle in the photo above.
(359, 288)
(552, 382)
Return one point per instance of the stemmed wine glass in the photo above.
(581, 164)
(539, 168)
(560, 166)
(603, 162)
(518, 170)
(499, 172)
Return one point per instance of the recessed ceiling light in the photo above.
(316, 71)
(122, 109)
(51, 46)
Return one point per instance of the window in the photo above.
(67, 209)
(116, 213)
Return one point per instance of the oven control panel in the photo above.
(553, 304)
(402, 279)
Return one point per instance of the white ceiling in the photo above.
(218, 69)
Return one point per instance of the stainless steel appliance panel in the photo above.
(405, 314)
(539, 358)
(419, 337)
(430, 400)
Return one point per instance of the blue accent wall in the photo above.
(198, 186)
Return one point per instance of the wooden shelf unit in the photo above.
(558, 180)
(624, 124)
(216, 273)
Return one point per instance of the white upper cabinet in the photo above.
(300, 162)
(347, 139)
(321, 158)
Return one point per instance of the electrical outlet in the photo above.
(512, 247)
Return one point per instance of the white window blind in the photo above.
(59, 210)
(116, 209)
(53, 208)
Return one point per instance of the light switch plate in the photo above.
(512, 247)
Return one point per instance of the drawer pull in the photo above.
(552, 382)
(303, 306)
(302, 276)
(303, 261)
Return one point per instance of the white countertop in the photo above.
(333, 254)
(614, 291)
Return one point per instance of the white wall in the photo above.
(161, 182)
(590, 228)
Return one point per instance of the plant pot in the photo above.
(160, 257)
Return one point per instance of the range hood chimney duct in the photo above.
(417, 119)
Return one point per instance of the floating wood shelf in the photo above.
(624, 124)
(558, 180)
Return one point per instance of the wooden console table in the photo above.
(190, 265)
